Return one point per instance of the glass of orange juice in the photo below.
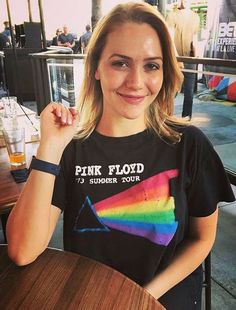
(15, 143)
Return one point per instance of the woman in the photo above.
(139, 189)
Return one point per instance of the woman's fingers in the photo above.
(73, 111)
(74, 115)
(58, 124)
(55, 108)
(64, 116)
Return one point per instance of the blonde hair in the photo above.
(159, 116)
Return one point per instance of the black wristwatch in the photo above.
(45, 166)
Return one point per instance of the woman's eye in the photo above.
(119, 64)
(152, 67)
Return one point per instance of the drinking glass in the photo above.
(9, 114)
(10, 106)
(15, 143)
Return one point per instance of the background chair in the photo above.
(207, 281)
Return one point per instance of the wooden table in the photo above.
(64, 280)
(9, 189)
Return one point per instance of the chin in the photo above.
(134, 117)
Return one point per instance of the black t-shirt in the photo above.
(127, 200)
(66, 38)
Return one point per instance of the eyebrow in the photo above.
(129, 58)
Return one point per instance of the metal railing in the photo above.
(226, 67)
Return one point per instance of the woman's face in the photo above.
(130, 71)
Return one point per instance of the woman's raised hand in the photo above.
(58, 125)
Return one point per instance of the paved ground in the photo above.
(217, 119)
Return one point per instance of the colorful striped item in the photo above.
(145, 209)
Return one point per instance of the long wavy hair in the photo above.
(159, 115)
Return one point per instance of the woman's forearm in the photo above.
(189, 256)
(187, 259)
(32, 220)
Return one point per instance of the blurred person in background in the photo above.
(7, 30)
(66, 39)
(55, 39)
(184, 25)
(4, 41)
(85, 38)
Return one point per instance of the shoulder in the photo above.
(196, 144)
(83, 36)
(89, 34)
(193, 135)
(192, 132)
(193, 138)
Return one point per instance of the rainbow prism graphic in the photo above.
(145, 209)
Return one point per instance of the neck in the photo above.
(122, 128)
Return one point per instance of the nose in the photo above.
(135, 78)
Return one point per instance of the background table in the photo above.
(64, 280)
(31, 124)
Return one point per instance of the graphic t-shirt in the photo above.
(127, 200)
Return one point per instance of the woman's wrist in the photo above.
(44, 166)
(157, 286)
(49, 152)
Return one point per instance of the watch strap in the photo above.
(45, 166)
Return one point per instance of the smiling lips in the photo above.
(131, 98)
